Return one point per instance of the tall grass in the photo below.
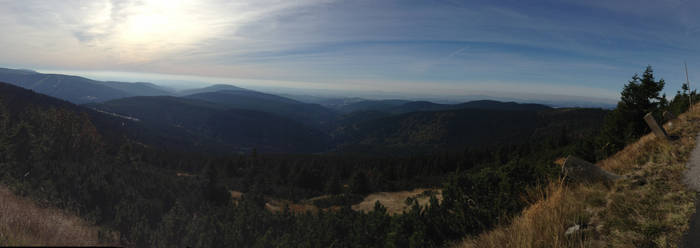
(648, 207)
(24, 223)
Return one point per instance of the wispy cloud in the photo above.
(583, 47)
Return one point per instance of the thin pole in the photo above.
(687, 81)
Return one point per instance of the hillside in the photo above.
(464, 127)
(24, 223)
(310, 114)
(52, 152)
(649, 207)
(210, 125)
(76, 89)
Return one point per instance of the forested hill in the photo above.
(25, 106)
(463, 127)
(16, 99)
(245, 120)
(225, 118)
(214, 127)
(54, 152)
(313, 115)
(404, 106)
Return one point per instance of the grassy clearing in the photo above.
(23, 223)
(395, 202)
(648, 207)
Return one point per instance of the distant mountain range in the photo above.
(403, 106)
(81, 90)
(213, 88)
(77, 89)
(227, 118)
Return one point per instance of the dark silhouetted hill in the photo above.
(403, 106)
(465, 127)
(238, 129)
(310, 114)
(213, 88)
(371, 105)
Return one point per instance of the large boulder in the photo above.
(579, 170)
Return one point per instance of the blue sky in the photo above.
(505, 48)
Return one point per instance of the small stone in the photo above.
(572, 229)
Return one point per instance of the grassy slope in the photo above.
(23, 223)
(395, 202)
(648, 207)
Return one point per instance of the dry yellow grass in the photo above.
(276, 205)
(543, 224)
(24, 223)
(395, 202)
(648, 207)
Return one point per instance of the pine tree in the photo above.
(213, 191)
(625, 124)
(681, 102)
(359, 183)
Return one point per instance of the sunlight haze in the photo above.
(581, 48)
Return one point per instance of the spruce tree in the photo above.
(625, 124)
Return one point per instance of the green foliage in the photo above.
(359, 183)
(477, 201)
(213, 191)
(625, 124)
(681, 102)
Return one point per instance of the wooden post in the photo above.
(658, 130)
(582, 171)
(690, 91)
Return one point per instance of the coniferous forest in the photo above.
(118, 173)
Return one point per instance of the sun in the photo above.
(153, 20)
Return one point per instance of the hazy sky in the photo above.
(585, 48)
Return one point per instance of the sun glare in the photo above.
(156, 26)
(151, 21)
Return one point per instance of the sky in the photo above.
(585, 48)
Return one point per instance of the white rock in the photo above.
(572, 229)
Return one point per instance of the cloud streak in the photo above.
(583, 47)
